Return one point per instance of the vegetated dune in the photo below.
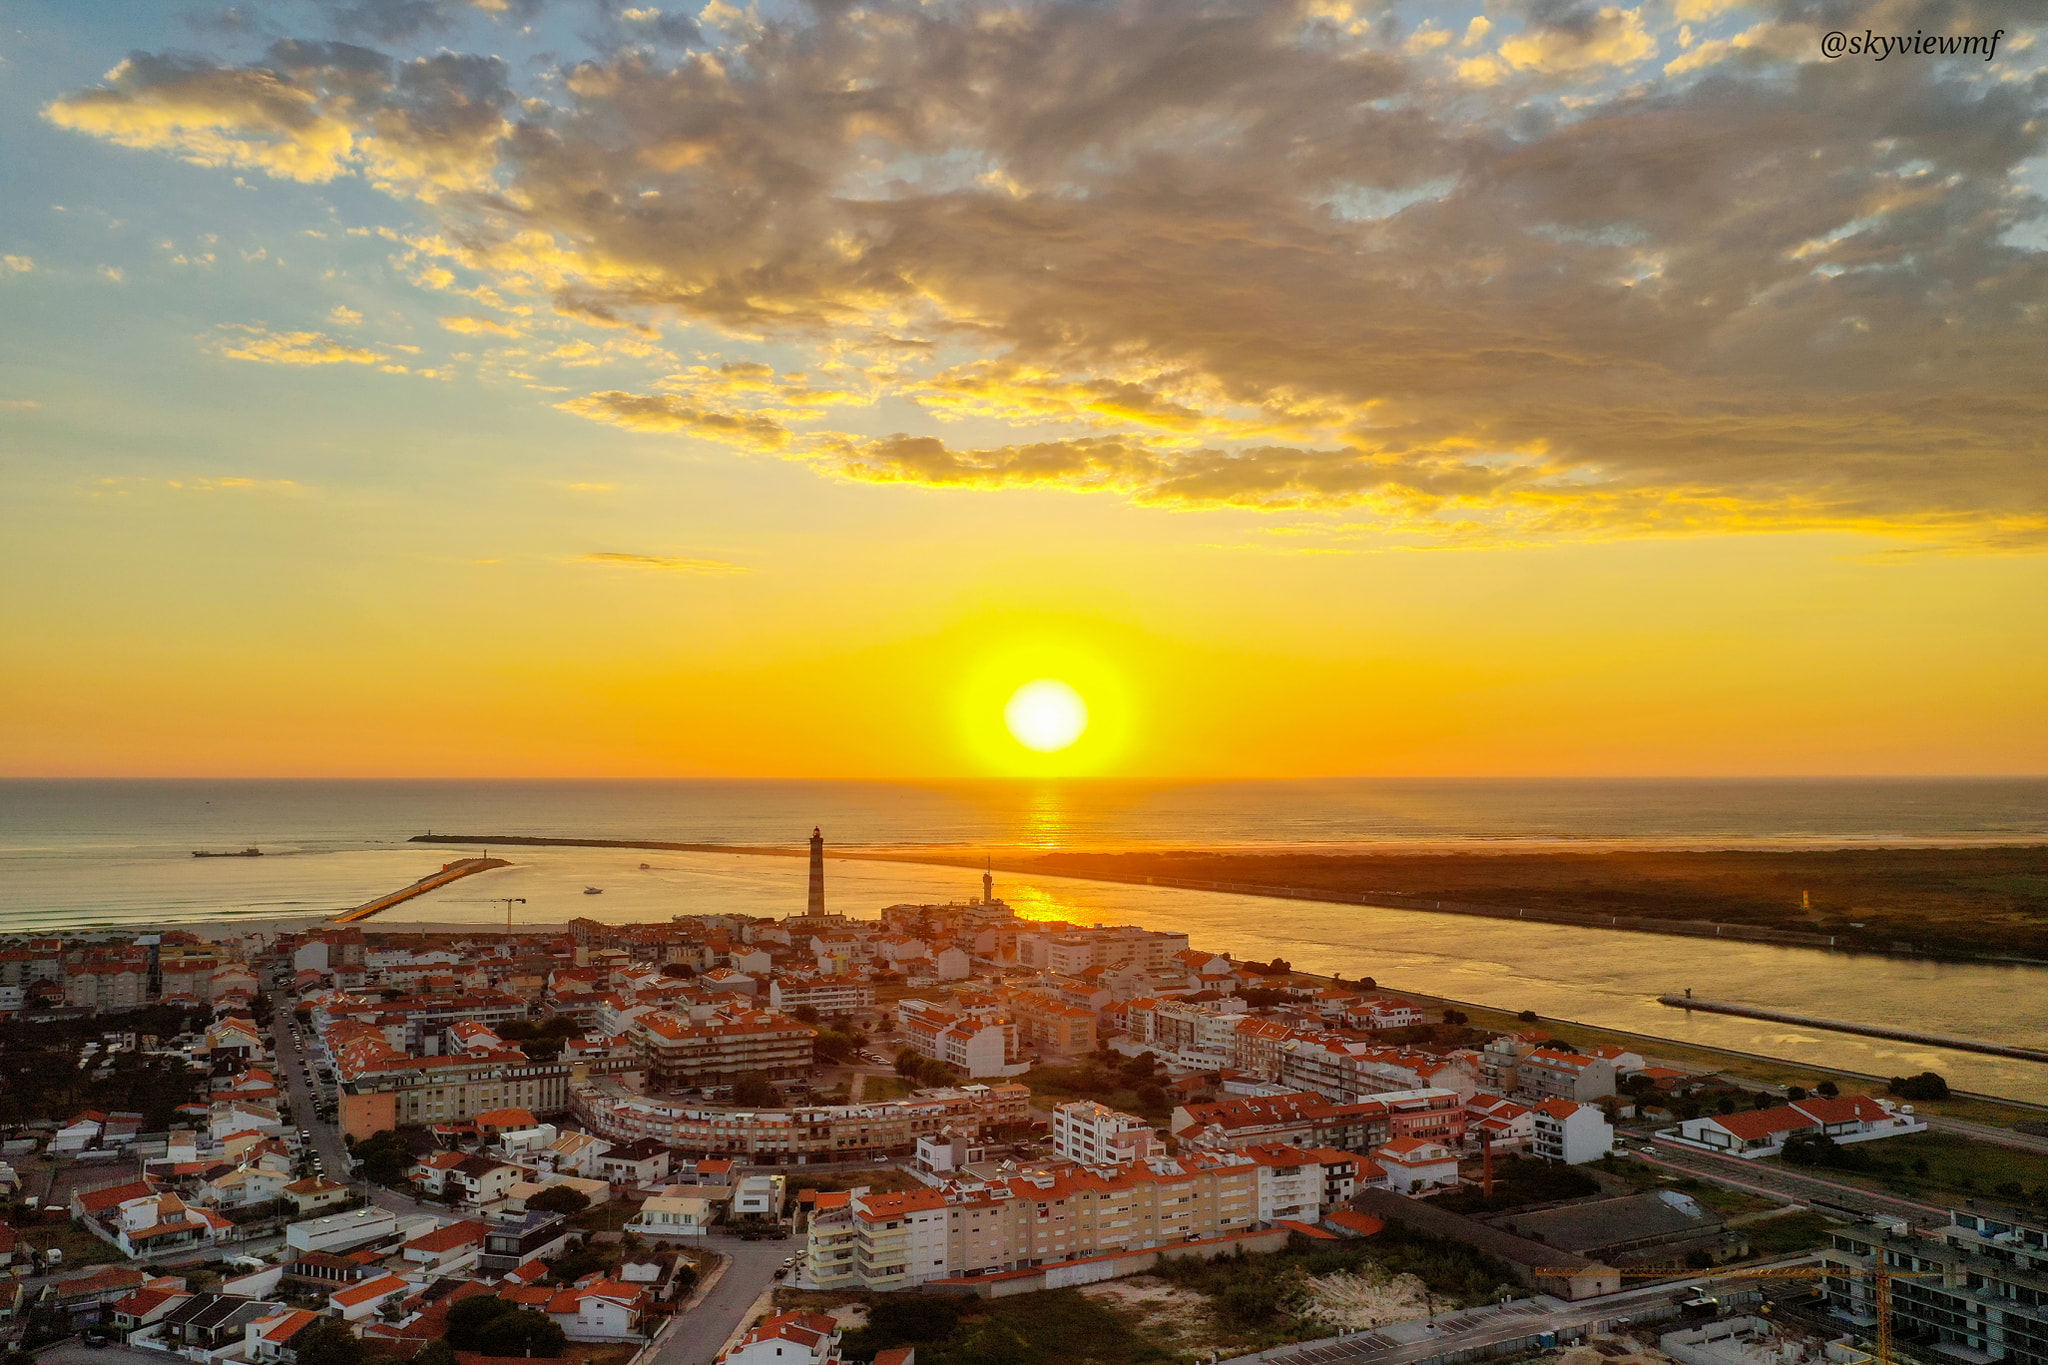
(1964, 901)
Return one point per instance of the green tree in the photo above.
(435, 1352)
(807, 1013)
(467, 1320)
(559, 1199)
(328, 1342)
(522, 1332)
(753, 1091)
(1928, 1085)
(1827, 1089)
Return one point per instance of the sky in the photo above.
(578, 388)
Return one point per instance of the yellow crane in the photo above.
(1880, 1275)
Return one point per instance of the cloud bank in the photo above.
(1571, 269)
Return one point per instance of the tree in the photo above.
(753, 1091)
(522, 1332)
(1827, 1089)
(1795, 1093)
(435, 1352)
(1727, 1104)
(387, 1157)
(468, 1318)
(681, 970)
(1928, 1085)
(328, 1342)
(1527, 1016)
(807, 1013)
(563, 1199)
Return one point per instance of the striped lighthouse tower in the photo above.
(817, 902)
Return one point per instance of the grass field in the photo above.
(1799, 1230)
(1938, 1166)
(1726, 1202)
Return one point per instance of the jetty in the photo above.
(1901, 1035)
(450, 872)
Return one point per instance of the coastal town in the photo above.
(944, 1132)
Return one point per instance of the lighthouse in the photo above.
(816, 906)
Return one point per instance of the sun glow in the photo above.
(1046, 715)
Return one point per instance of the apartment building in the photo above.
(859, 1132)
(385, 1088)
(1548, 1074)
(1346, 1068)
(1069, 949)
(1096, 1135)
(1050, 1026)
(1306, 1119)
(1196, 1033)
(1976, 1291)
(833, 997)
(1016, 1222)
(975, 1041)
(1568, 1131)
(716, 1046)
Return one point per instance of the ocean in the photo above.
(118, 854)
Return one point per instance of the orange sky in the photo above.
(1319, 389)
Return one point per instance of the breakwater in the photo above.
(455, 871)
(1901, 1035)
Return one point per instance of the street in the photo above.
(75, 1352)
(327, 1140)
(704, 1328)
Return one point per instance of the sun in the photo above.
(1046, 715)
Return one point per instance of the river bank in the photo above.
(1958, 904)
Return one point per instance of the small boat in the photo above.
(245, 853)
(647, 867)
(593, 891)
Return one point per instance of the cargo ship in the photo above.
(245, 853)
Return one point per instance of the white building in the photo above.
(788, 1339)
(1415, 1165)
(341, 1230)
(1096, 1135)
(1763, 1132)
(1569, 1132)
(674, 1215)
(1290, 1183)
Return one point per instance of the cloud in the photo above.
(1564, 38)
(669, 563)
(345, 315)
(474, 326)
(1255, 252)
(241, 342)
(662, 413)
(19, 405)
(16, 265)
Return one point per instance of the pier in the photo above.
(450, 872)
(1902, 1035)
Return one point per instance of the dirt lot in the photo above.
(1176, 1319)
(1347, 1300)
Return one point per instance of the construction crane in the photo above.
(508, 902)
(1880, 1275)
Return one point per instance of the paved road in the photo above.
(74, 1352)
(704, 1328)
(327, 1139)
(1775, 1180)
